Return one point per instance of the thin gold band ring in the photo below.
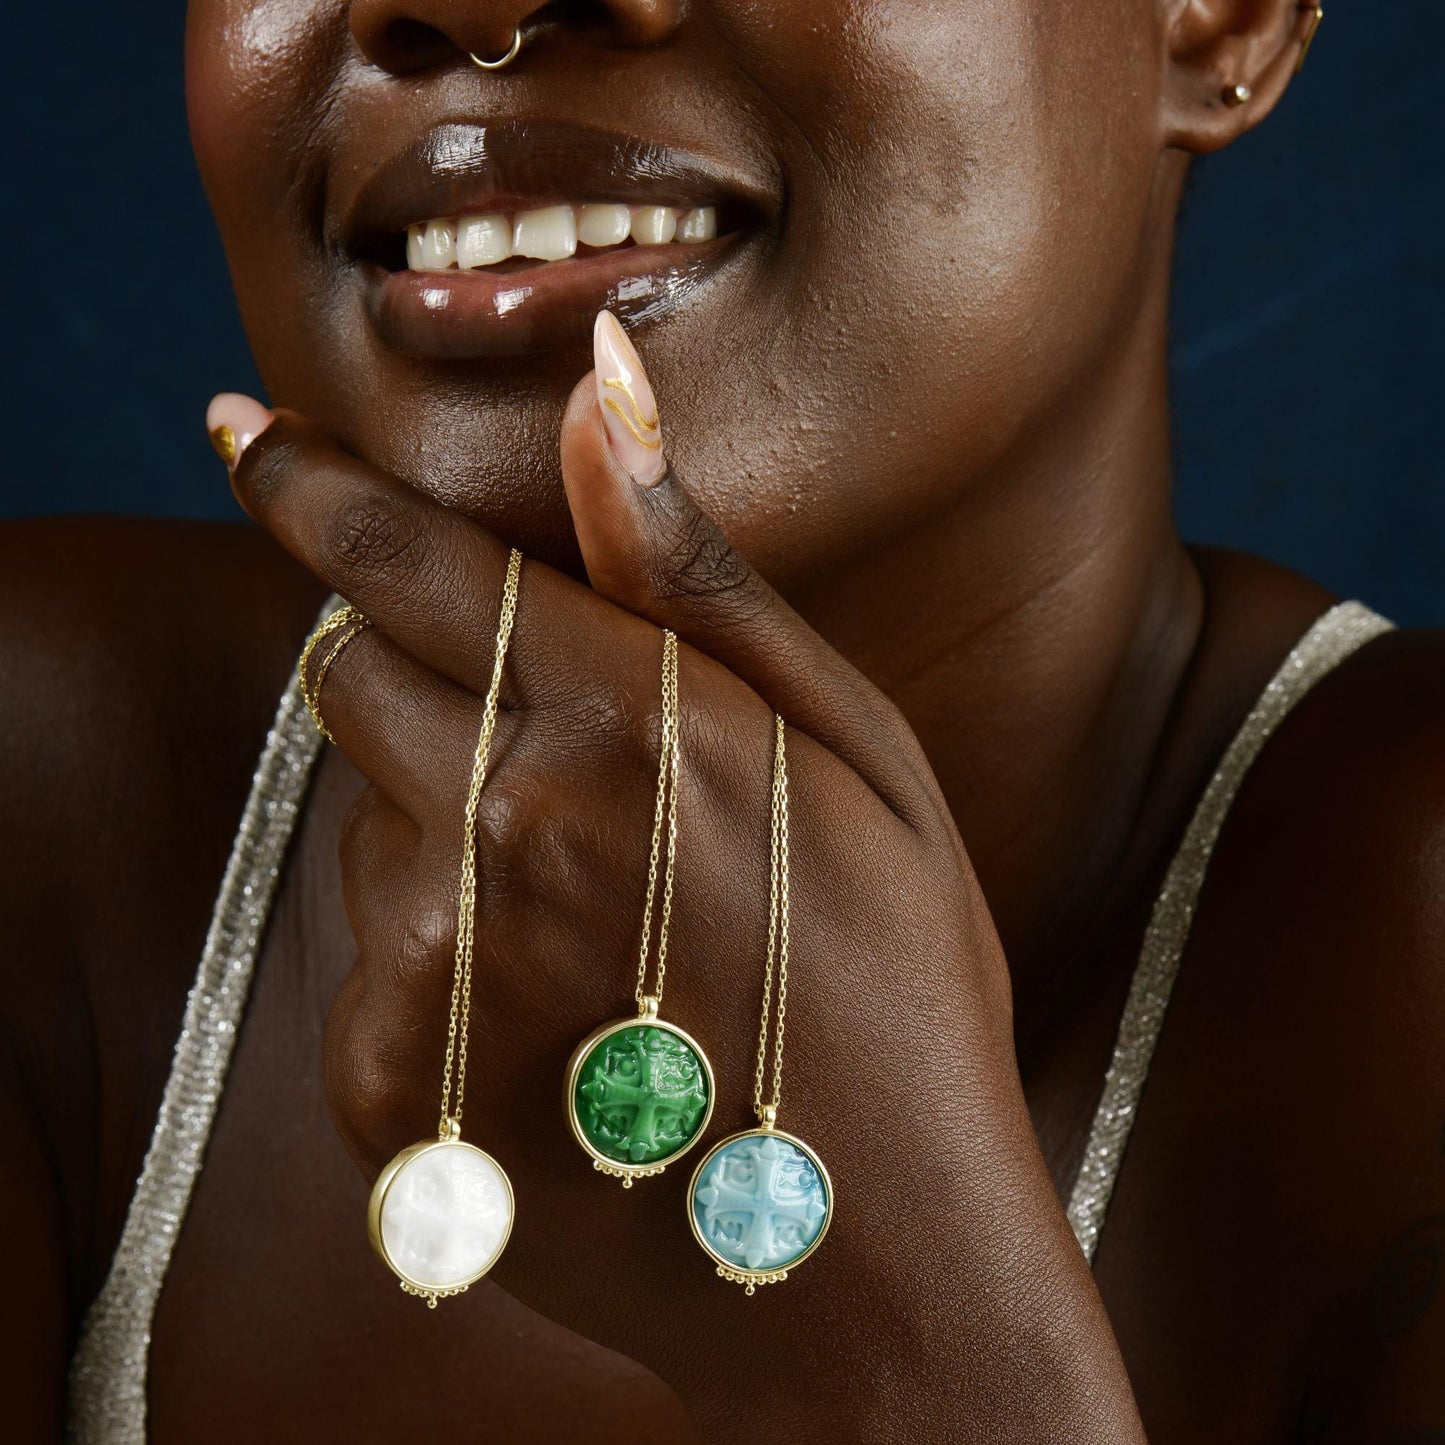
(507, 59)
(349, 621)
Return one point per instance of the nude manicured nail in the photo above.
(234, 422)
(629, 409)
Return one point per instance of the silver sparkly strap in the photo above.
(1333, 638)
(106, 1401)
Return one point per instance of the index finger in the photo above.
(427, 576)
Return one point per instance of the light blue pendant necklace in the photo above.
(761, 1201)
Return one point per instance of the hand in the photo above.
(949, 1295)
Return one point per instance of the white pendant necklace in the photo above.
(441, 1212)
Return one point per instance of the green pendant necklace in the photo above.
(761, 1201)
(639, 1091)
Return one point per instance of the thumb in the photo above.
(651, 549)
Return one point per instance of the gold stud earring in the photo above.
(1238, 95)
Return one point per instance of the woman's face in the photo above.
(933, 218)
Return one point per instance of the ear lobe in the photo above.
(1215, 46)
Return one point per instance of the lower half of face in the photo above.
(862, 247)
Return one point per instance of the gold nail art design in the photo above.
(224, 441)
(636, 423)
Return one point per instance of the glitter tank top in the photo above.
(106, 1402)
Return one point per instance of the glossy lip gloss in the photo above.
(471, 314)
(463, 168)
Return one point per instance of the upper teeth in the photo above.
(549, 233)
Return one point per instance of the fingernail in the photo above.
(234, 422)
(629, 409)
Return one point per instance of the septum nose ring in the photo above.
(513, 51)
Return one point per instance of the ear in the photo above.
(1216, 45)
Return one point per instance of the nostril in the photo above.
(409, 36)
(405, 36)
(403, 45)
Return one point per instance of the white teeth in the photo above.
(653, 225)
(698, 225)
(483, 240)
(605, 225)
(439, 245)
(548, 234)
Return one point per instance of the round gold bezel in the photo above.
(378, 1198)
(605, 1163)
(728, 1268)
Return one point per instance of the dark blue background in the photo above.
(1307, 334)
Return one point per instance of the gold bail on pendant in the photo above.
(769, 1116)
(647, 1008)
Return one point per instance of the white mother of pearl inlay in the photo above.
(446, 1212)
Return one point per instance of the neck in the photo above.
(1037, 638)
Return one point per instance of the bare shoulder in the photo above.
(1347, 805)
(116, 607)
(1343, 833)
(1304, 1058)
(135, 653)
(140, 663)
(1332, 857)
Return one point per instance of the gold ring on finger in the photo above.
(348, 622)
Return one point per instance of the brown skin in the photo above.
(1049, 679)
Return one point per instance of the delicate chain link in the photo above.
(777, 935)
(461, 1005)
(674, 758)
(664, 815)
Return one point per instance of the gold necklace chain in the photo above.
(777, 937)
(664, 814)
(461, 1006)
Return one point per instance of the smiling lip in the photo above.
(465, 168)
(466, 314)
